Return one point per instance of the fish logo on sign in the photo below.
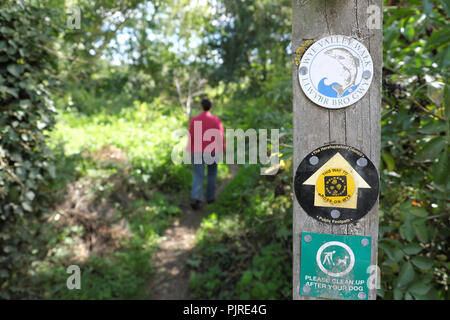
(335, 71)
(336, 184)
(342, 82)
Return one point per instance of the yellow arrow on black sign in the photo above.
(336, 184)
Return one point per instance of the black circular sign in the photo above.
(336, 184)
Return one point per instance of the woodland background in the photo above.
(87, 128)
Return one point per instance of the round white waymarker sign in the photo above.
(335, 71)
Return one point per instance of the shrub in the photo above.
(26, 65)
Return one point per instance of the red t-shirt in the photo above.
(206, 133)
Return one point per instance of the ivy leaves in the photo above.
(26, 110)
(15, 69)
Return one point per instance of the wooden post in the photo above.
(357, 125)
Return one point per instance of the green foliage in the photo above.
(149, 219)
(251, 38)
(266, 279)
(107, 91)
(414, 225)
(122, 275)
(81, 49)
(414, 170)
(27, 65)
(145, 132)
(245, 245)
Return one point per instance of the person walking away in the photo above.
(206, 144)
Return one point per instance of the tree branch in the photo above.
(415, 102)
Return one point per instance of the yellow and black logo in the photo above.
(335, 185)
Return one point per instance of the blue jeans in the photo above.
(197, 180)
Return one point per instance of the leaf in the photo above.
(441, 170)
(390, 35)
(52, 171)
(389, 161)
(27, 206)
(386, 249)
(421, 230)
(419, 212)
(406, 275)
(246, 277)
(397, 254)
(24, 137)
(435, 92)
(8, 249)
(15, 69)
(407, 231)
(408, 296)
(30, 195)
(442, 257)
(433, 127)
(41, 125)
(427, 7)
(398, 294)
(431, 149)
(409, 32)
(393, 242)
(422, 262)
(12, 91)
(24, 104)
(412, 248)
(439, 37)
(446, 6)
(431, 295)
(394, 254)
(4, 273)
(419, 289)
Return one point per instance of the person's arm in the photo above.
(191, 136)
(222, 132)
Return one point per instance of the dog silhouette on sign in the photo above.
(342, 261)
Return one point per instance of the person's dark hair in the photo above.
(206, 104)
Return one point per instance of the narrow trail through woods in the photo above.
(171, 281)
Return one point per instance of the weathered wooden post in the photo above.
(349, 120)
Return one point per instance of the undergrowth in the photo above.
(119, 177)
(244, 248)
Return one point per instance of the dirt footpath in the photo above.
(171, 281)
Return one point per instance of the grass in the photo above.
(244, 244)
(140, 186)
